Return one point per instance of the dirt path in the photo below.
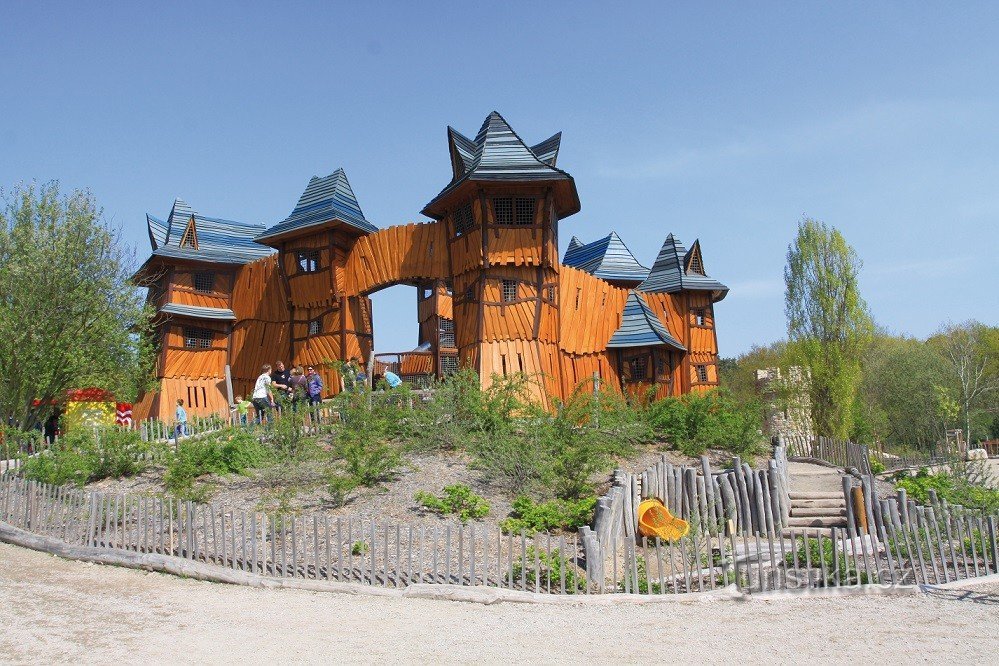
(53, 610)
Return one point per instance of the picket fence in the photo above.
(847, 454)
(930, 548)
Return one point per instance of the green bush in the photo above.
(876, 466)
(457, 500)
(531, 517)
(549, 572)
(845, 571)
(695, 422)
(229, 451)
(964, 485)
(80, 457)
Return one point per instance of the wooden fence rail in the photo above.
(847, 454)
(930, 548)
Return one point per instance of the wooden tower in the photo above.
(326, 322)
(501, 212)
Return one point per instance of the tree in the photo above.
(69, 315)
(971, 351)
(901, 403)
(827, 321)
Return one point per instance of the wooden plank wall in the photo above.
(590, 311)
(405, 253)
(185, 293)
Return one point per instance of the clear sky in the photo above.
(724, 122)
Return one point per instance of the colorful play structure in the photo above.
(493, 294)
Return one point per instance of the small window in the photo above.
(449, 364)
(700, 317)
(197, 338)
(308, 260)
(509, 291)
(639, 367)
(702, 373)
(503, 210)
(510, 210)
(525, 211)
(446, 333)
(463, 219)
(550, 293)
(204, 282)
(470, 294)
(315, 326)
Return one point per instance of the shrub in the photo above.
(876, 466)
(964, 485)
(80, 457)
(457, 500)
(531, 517)
(845, 571)
(697, 421)
(550, 569)
(359, 548)
(229, 451)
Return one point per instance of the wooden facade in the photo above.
(493, 293)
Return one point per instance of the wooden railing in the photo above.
(847, 454)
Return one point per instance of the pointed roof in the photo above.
(324, 200)
(677, 269)
(218, 240)
(640, 327)
(497, 153)
(608, 258)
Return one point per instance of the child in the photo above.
(242, 409)
(181, 416)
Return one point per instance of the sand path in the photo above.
(54, 610)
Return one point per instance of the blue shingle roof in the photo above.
(608, 258)
(324, 200)
(672, 271)
(218, 240)
(498, 153)
(198, 312)
(640, 327)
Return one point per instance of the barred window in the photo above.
(308, 260)
(446, 333)
(198, 338)
(702, 373)
(315, 326)
(639, 367)
(510, 210)
(550, 293)
(503, 210)
(463, 219)
(700, 317)
(204, 282)
(509, 290)
(470, 294)
(449, 364)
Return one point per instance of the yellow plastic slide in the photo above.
(655, 520)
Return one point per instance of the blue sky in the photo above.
(724, 122)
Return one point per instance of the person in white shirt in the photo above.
(263, 396)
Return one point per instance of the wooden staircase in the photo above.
(817, 511)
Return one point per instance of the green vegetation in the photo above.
(827, 320)
(698, 421)
(554, 515)
(81, 458)
(965, 485)
(840, 571)
(550, 569)
(359, 548)
(71, 317)
(457, 500)
(229, 451)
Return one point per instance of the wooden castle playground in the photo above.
(493, 293)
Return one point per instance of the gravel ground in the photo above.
(302, 488)
(55, 611)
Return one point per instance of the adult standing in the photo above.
(314, 386)
(281, 378)
(263, 394)
(297, 386)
